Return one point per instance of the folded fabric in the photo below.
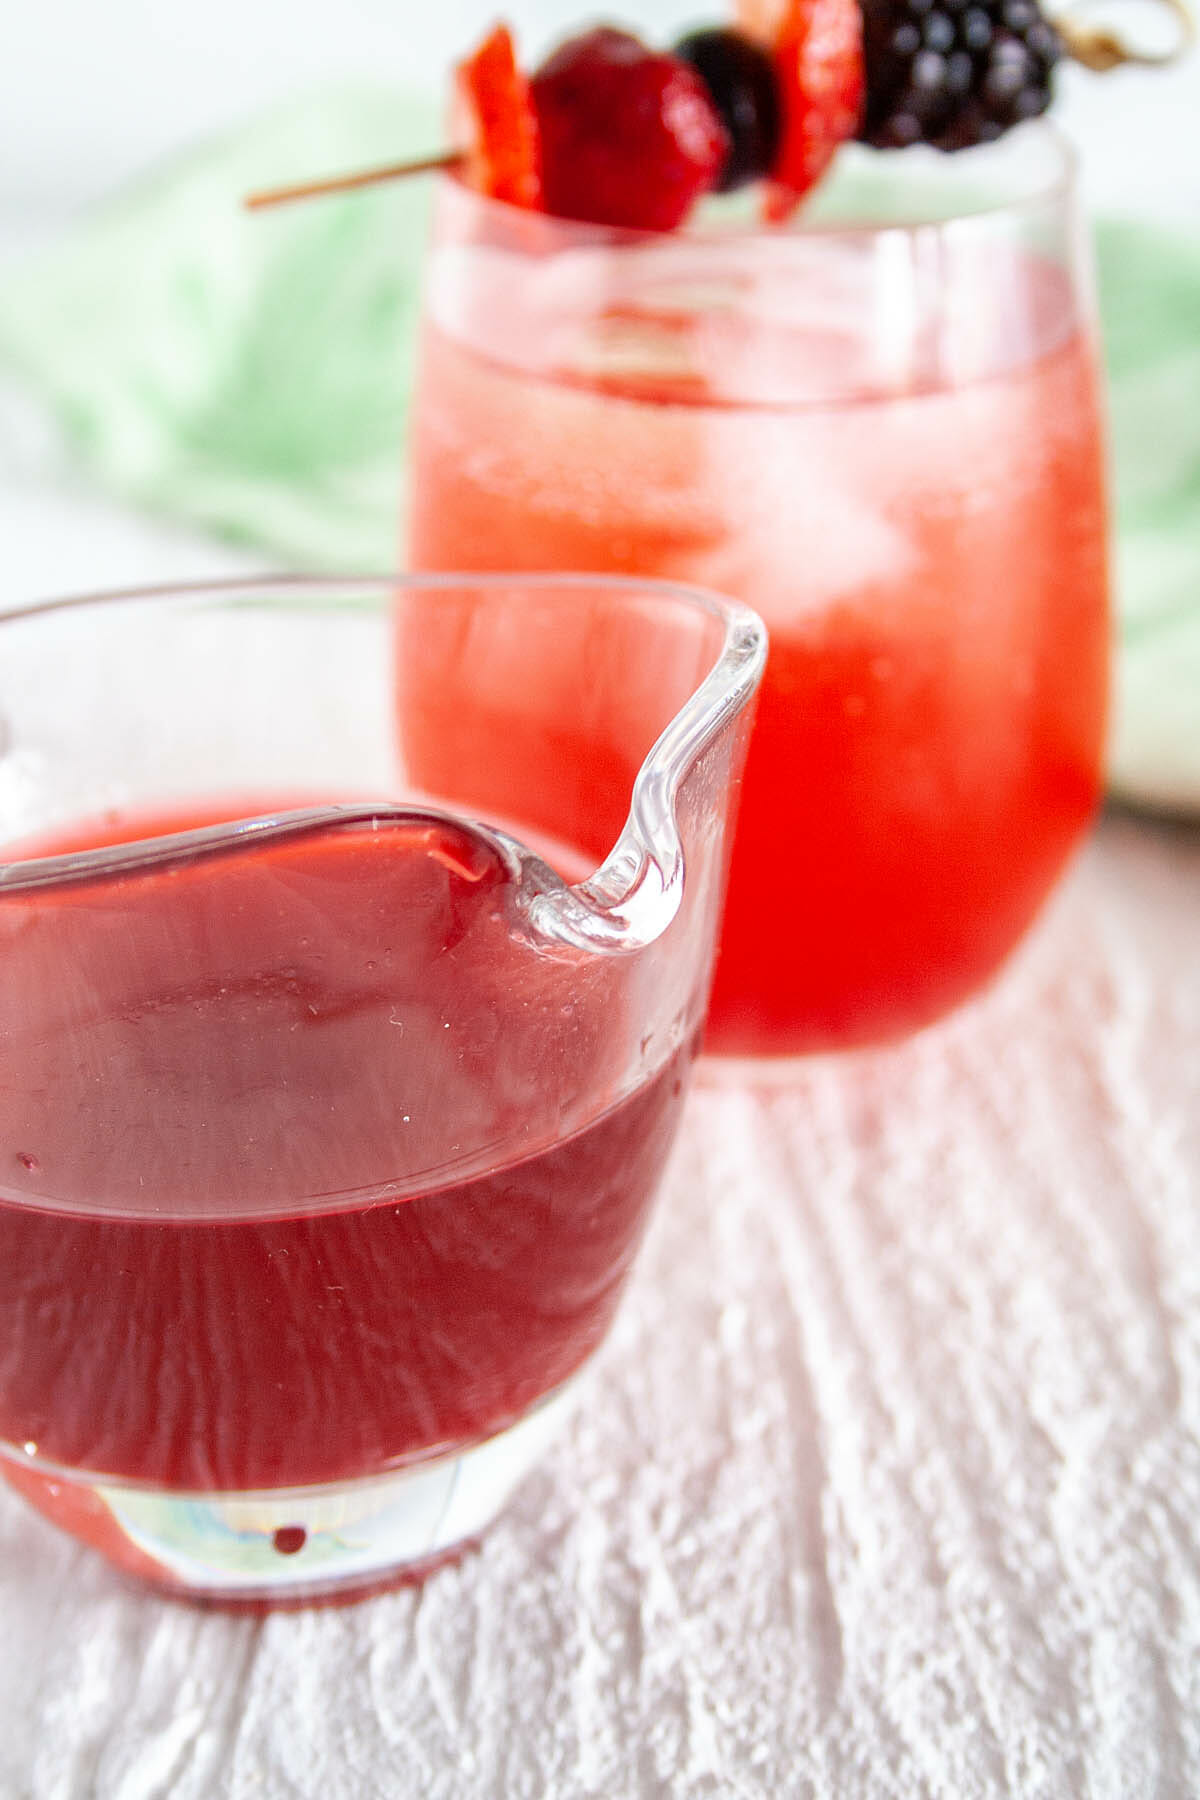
(1150, 308)
(250, 373)
(245, 372)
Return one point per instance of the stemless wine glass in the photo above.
(330, 1115)
(881, 429)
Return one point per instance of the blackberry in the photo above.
(741, 81)
(953, 73)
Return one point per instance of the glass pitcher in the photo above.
(338, 1067)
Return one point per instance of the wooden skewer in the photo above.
(342, 184)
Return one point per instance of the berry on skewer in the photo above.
(494, 121)
(739, 74)
(630, 136)
(952, 75)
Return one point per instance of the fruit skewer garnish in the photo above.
(610, 132)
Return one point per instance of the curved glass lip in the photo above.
(1057, 190)
(637, 889)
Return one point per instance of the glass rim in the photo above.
(731, 612)
(632, 895)
(1057, 189)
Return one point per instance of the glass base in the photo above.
(295, 1545)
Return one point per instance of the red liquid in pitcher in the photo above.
(296, 1019)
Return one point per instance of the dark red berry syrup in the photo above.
(184, 1052)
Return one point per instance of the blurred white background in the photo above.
(91, 93)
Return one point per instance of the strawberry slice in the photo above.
(817, 48)
(495, 126)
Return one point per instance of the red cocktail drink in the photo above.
(887, 440)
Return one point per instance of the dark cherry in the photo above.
(740, 77)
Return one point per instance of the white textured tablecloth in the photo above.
(887, 1484)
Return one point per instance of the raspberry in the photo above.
(630, 137)
(953, 73)
(494, 124)
(740, 79)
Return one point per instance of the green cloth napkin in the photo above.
(1150, 310)
(246, 372)
(250, 373)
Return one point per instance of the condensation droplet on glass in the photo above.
(28, 1161)
(29, 1447)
